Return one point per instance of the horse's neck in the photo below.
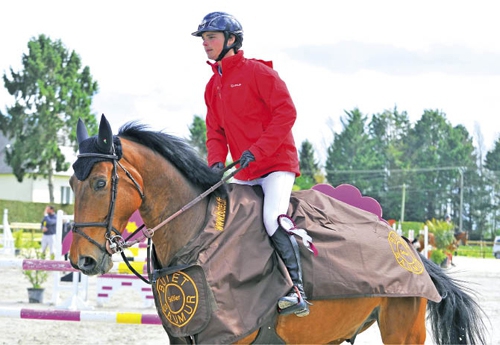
(166, 192)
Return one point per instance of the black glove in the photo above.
(217, 167)
(246, 158)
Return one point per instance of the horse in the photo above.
(431, 241)
(462, 236)
(419, 244)
(160, 175)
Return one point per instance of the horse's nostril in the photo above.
(86, 263)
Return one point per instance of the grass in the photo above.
(27, 239)
(30, 238)
(485, 252)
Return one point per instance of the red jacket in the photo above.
(249, 108)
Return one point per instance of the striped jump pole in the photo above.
(107, 284)
(38, 265)
(55, 266)
(81, 316)
(61, 265)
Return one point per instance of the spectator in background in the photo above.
(48, 227)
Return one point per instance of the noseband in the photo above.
(113, 236)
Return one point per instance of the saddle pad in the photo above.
(359, 254)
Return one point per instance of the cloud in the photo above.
(349, 57)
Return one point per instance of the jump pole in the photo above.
(53, 265)
(81, 316)
(107, 283)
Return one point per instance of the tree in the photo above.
(434, 144)
(198, 135)
(309, 167)
(352, 153)
(492, 161)
(51, 93)
(492, 167)
(389, 130)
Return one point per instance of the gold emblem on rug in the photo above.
(220, 214)
(405, 256)
(178, 297)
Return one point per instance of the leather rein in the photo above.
(113, 236)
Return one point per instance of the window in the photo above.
(66, 195)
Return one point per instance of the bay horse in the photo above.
(159, 175)
(462, 236)
(452, 247)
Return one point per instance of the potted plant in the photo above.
(442, 254)
(18, 241)
(439, 257)
(36, 277)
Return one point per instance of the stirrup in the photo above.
(294, 302)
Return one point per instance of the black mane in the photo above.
(177, 151)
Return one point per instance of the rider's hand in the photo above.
(246, 158)
(217, 167)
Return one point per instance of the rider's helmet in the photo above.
(226, 23)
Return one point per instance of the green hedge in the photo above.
(29, 212)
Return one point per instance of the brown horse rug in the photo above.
(225, 283)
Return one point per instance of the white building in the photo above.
(35, 190)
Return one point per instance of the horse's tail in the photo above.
(457, 319)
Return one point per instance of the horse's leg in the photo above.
(402, 320)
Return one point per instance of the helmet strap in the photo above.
(226, 48)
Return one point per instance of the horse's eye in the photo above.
(99, 184)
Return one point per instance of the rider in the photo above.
(251, 114)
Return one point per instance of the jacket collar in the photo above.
(229, 62)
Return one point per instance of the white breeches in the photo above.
(48, 241)
(277, 188)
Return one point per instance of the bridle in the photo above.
(112, 235)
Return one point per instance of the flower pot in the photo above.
(35, 295)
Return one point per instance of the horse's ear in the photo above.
(105, 138)
(81, 131)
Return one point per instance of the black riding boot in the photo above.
(288, 250)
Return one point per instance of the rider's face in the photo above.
(213, 43)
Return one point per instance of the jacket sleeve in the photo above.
(216, 138)
(275, 95)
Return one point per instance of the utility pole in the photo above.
(461, 171)
(403, 199)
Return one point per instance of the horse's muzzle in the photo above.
(91, 266)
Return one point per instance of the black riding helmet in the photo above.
(226, 23)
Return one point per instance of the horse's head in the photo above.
(102, 205)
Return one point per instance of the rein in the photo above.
(148, 233)
(116, 241)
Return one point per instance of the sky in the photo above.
(334, 56)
